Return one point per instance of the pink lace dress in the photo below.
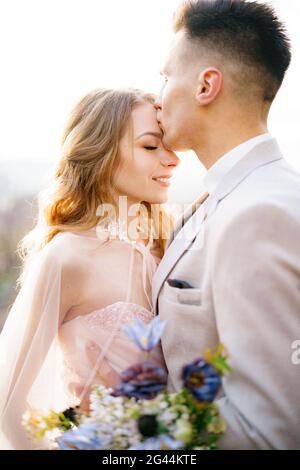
(94, 346)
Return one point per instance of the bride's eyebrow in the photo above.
(154, 134)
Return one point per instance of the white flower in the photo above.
(184, 431)
(168, 417)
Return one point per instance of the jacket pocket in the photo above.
(183, 296)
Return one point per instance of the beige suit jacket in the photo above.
(241, 253)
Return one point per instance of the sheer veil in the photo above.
(30, 355)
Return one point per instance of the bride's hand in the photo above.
(105, 374)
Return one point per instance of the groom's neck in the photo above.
(223, 138)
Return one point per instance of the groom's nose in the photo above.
(157, 104)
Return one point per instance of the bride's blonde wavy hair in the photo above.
(83, 178)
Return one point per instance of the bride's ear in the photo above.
(210, 83)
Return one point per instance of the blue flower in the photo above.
(202, 380)
(145, 380)
(162, 442)
(85, 437)
(145, 336)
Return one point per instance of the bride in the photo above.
(89, 261)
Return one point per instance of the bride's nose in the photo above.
(170, 159)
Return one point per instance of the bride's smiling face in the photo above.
(145, 166)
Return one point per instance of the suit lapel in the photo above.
(182, 220)
(179, 245)
(263, 154)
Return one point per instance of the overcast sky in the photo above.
(54, 51)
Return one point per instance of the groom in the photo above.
(231, 275)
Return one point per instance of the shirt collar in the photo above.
(222, 166)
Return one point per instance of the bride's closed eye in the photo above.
(149, 147)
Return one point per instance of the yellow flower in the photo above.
(217, 426)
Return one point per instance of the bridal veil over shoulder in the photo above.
(42, 356)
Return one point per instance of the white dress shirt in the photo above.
(217, 172)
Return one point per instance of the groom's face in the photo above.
(177, 110)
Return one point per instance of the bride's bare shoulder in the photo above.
(61, 245)
(68, 253)
(66, 250)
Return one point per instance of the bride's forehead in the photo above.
(144, 120)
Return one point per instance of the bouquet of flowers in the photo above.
(140, 413)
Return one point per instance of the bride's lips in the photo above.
(163, 180)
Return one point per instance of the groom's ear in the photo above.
(210, 83)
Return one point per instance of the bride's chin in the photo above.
(158, 200)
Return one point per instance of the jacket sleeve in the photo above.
(256, 292)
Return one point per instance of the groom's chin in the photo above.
(168, 142)
(172, 144)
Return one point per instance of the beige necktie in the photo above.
(187, 214)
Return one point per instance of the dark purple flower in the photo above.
(143, 380)
(148, 425)
(71, 414)
(202, 380)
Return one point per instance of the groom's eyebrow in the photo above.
(155, 134)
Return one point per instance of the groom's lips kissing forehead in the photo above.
(161, 127)
(158, 117)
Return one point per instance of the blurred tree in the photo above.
(16, 219)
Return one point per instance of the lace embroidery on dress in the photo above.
(107, 317)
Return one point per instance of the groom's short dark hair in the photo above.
(247, 32)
